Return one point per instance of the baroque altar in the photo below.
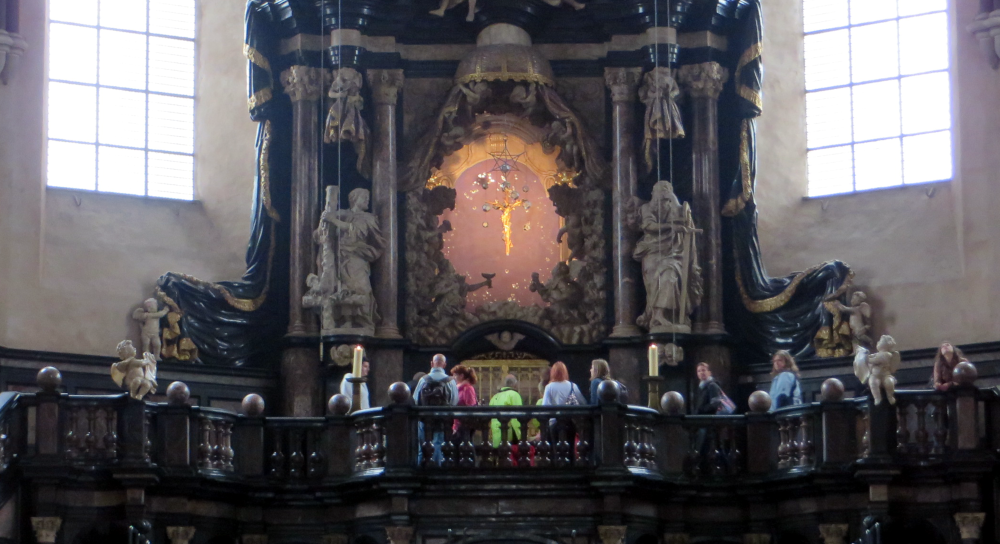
(552, 169)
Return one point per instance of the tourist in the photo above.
(599, 371)
(710, 394)
(561, 392)
(945, 361)
(347, 388)
(534, 427)
(435, 389)
(508, 396)
(785, 389)
(412, 384)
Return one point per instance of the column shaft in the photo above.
(623, 83)
(704, 83)
(385, 86)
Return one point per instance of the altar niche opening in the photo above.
(504, 222)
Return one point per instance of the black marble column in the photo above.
(385, 86)
(703, 83)
(300, 365)
(623, 83)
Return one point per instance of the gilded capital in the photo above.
(970, 524)
(703, 80)
(611, 534)
(833, 533)
(399, 535)
(303, 82)
(180, 535)
(385, 85)
(46, 529)
(623, 82)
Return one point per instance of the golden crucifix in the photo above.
(511, 201)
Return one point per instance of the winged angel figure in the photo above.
(878, 368)
(138, 375)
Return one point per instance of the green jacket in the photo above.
(506, 397)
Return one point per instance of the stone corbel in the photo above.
(833, 533)
(970, 525)
(303, 82)
(612, 534)
(986, 29)
(180, 535)
(703, 80)
(46, 529)
(399, 535)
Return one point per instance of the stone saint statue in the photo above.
(150, 318)
(350, 241)
(139, 376)
(878, 369)
(668, 254)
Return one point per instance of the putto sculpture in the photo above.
(668, 253)
(150, 316)
(878, 369)
(860, 319)
(349, 241)
(139, 376)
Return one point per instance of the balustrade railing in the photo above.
(106, 431)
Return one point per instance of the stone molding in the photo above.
(180, 534)
(624, 83)
(385, 85)
(46, 529)
(833, 533)
(303, 82)
(703, 80)
(612, 534)
(970, 524)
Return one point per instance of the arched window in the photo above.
(121, 96)
(878, 105)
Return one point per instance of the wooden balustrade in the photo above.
(92, 431)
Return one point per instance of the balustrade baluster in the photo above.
(217, 445)
(296, 460)
(487, 454)
(70, 437)
(735, 456)
(902, 428)
(524, 446)
(110, 436)
(362, 454)
(377, 447)
(940, 426)
(463, 437)
(692, 465)
(865, 445)
(91, 436)
(504, 456)
(631, 448)
(227, 447)
(650, 449)
(783, 444)
(583, 447)
(923, 438)
(543, 450)
(715, 459)
(806, 447)
(205, 445)
(427, 445)
(278, 455)
(448, 449)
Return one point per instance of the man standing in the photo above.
(435, 389)
(347, 388)
(508, 396)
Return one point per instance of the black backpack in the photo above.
(435, 393)
(622, 393)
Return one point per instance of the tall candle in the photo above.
(358, 352)
(654, 360)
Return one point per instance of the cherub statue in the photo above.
(567, 203)
(138, 376)
(150, 317)
(860, 319)
(878, 368)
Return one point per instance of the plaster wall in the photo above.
(924, 253)
(73, 264)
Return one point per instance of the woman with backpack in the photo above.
(785, 389)
(711, 400)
